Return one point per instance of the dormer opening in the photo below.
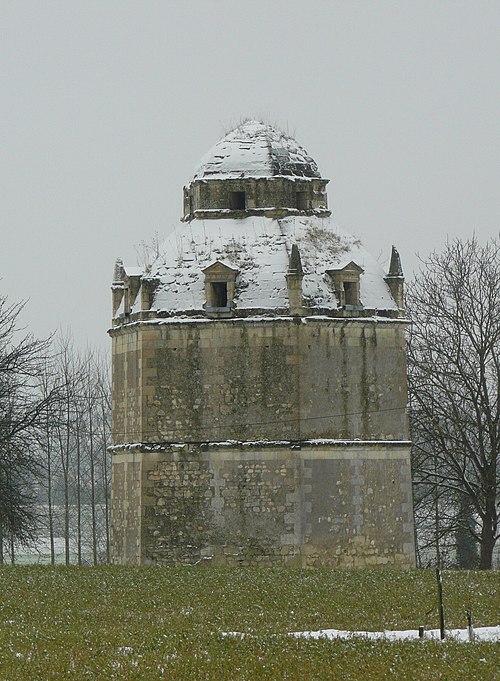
(217, 294)
(351, 293)
(238, 201)
(301, 200)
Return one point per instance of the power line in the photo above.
(298, 419)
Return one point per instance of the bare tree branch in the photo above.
(454, 380)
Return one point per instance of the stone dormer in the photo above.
(125, 288)
(220, 284)
(346, 281)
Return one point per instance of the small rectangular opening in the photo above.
(301, 200)
(238, 200)
(219, 294)
(350, 293)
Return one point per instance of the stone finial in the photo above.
(117, 287)
(395, 269)
(118, 272)
(294, 262)
(294, 278)
(395, 279)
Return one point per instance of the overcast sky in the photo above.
(107, 106)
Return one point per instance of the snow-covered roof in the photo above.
(133, 271)
(254, 149)
(259, 247)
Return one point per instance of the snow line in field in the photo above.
(484, 634)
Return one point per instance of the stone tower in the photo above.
(259, 378)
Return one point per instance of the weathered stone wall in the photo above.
(323, 505)
(127, 387)
(126, 513)
(243, 379)
(259, 193)
(203, 383)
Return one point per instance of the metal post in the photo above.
(440, 597)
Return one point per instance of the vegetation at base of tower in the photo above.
(54, 432)
(150, 622)
(454, 379)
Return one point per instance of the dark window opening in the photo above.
(219, 294)
(301, 200)
(350, 293)
(238, 200)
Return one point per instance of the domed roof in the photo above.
(253, 260)
(259, 249)
(254, 149)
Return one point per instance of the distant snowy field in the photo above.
(485, 634)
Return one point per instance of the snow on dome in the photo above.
(259, 248)
(254, 149)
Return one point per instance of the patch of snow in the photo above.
(124, 650)
(483, 634)
(254, 149)
(133, 271)
(487, 634)
(319, 442)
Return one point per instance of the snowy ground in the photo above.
(485, 634)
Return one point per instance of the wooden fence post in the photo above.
(470, 628)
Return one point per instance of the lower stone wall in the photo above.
(126, 497)
(343, 505)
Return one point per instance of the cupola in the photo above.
(255, 170)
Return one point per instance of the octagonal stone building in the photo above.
(259, 378)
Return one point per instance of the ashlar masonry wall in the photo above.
(325, 504)
(276, 379)
(261, 441)
(214, 195)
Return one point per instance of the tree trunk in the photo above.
(66, 518)
(467, 555)
(487, 546)
(12, 550)
(50, 501)
(78, 497)
(92, 488)
(488, 532)
(106, 501)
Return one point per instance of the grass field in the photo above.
(152, 623)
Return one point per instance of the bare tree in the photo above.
(54, 434)
(103, 440)
(75, 478)
(149, 251)
(454, 372)
(24, 361)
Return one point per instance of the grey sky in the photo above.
(108, 106)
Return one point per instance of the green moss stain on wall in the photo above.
(245, 380)
(344, 386)
(364, 389)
